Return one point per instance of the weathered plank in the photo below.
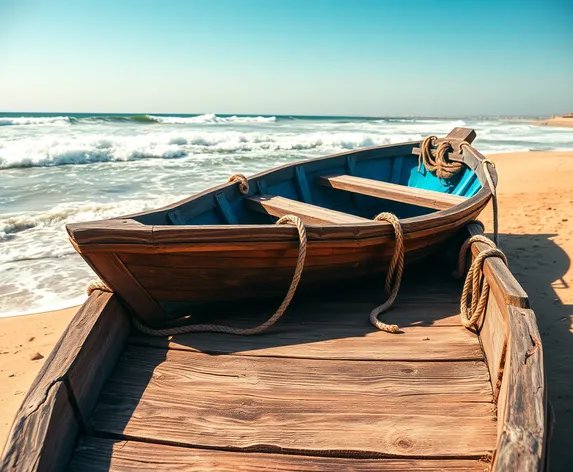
(522, 402)
(368, 409)
(103, 455)
(493, 337)
(311, 214)
(388, 191)
(325, 341)
(44, 429)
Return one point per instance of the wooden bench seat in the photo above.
(280, 206)
(398, 193)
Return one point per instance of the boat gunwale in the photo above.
(82, 238)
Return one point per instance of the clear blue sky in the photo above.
(329, 57)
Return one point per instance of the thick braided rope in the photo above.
(473, 311)
(215, 328)
(394, 276)
(438, 165)
(243, 182)
(97, 285)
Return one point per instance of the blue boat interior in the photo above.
(298, 183)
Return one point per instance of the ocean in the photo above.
(62, 168)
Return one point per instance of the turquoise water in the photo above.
(61, 168)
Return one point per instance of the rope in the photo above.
(97, 285)
(215, 328)
(472, 312)
(439, 165)
(243, 182)
(394, 276)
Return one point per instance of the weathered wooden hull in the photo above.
(162, 263)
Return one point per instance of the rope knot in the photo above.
(243, 182)
(439, 164)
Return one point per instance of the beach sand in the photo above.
(536, 228)
(557, 121)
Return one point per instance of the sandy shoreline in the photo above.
(536, 226)
(558, 121)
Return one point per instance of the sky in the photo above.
(303, 57)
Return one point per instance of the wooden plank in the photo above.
(113, 271)
(225, 208)
(388, 191)
(314, 407)
(279, 206)
(42, 439)
(503, 284)
(522, 442)
(65, 390)
(493, 337)
(324, 341)
(103, 455)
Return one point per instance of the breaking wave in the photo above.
(40, 120)
(209, 118)
(49, 152)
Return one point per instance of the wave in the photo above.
(209, 118)
(38, 120)
(50, 152)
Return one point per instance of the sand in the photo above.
(564, 122)
(20, 338)
(536, 227)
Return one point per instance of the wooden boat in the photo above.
(222, 245)
(322, 390)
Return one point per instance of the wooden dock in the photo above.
(322, 390)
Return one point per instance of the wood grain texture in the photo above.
(103, 455)
(309, 214)
(314, 407)
(65, 390)
(385, 190)
(493, 335)
(522, 404)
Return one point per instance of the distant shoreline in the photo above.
(565, 121)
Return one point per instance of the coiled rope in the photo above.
(243, 182)
(475, 284)
(439, 165)
(394, 275)
(215, 328)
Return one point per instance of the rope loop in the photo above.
(439, 164)
(394, 276)
(214, 328)
(243, 182)
(476, 286)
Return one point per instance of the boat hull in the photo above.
(162, 271)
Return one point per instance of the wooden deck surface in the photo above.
(322, 390)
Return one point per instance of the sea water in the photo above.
(60, 168)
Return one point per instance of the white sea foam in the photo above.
(51, 120)
(211, 118)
